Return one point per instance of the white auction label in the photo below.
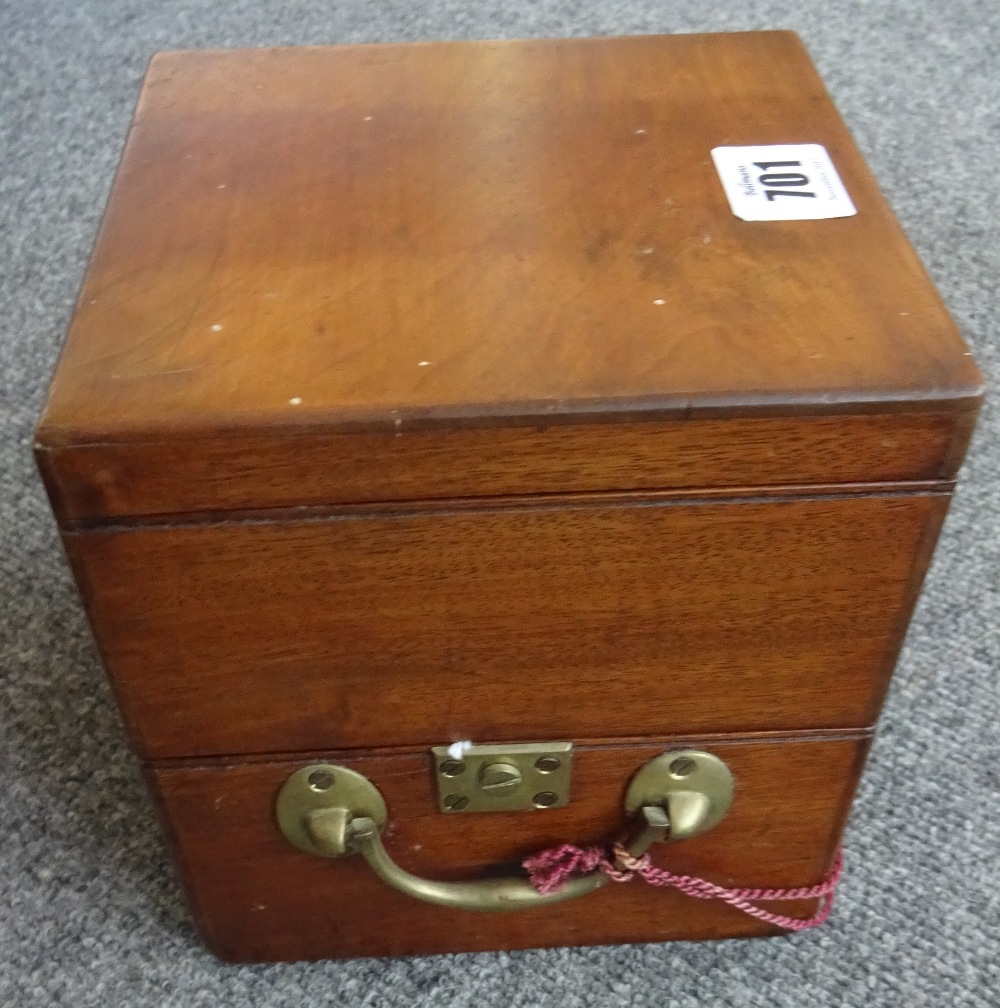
(782, 182)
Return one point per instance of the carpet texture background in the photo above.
(90, 913)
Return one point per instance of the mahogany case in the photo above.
(426, 393)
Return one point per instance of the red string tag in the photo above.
(550, 869)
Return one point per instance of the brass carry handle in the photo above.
(333, 811)
(332, 831)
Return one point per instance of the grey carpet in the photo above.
(89, 908)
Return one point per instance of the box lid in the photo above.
(320, 266)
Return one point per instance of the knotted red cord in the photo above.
(550, 869)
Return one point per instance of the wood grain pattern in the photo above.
(376, 238)
(244, 471)
(257, 898)
(605, 618)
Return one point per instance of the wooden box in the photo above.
(419, 394)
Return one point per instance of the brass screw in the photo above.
(545, 799)
(321, 780)
(452, 768)
(455, 802)
(547, 764)
(682, 766)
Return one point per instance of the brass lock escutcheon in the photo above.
(503, 778)
(333, 811)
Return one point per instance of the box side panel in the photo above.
(605, 617)
(258, 898)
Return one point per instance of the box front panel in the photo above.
(258, 898)
(605, 617)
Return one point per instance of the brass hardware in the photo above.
(506, 893)
(504, 778)
(695, 788)
(499, 778)
(317, 804)
(333, 812)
